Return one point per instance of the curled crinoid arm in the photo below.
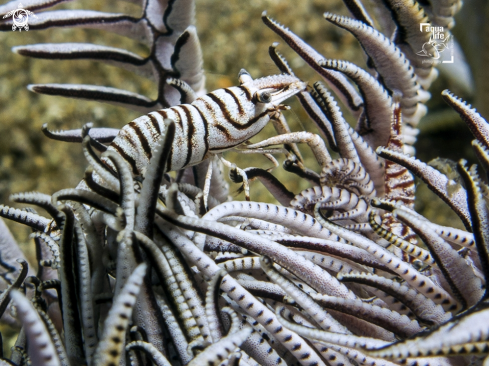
(348, 206)
(373, 124)
(290, 218)
(238, 175)
(336, 81)
(345, 173)
(411, 249)
(482, 153)
(476, 123)
(333, 198)
(107, 175)
(87, 197)
(187, 94)
(52, 245)
(454, 195)
(167, 30)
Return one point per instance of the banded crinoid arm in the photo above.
(415, 279)
(17, 282)
(220, 350)
(384, 55)
(157, 357)
(111, 345)
(336, 81)
(213, 123)
(345, 173)
(176, 298)
(388, 319)
(333, 247)
(347, 340)
(290, 218)
(373, 123)
(167, 30)
(320, 316)
(424, 308)
(464, 334)
(450, 192)
(296, 346)
(411, 249)
(463, 282)
(312, 274)
(345, 204)
(442, 12)
(479, 217)
(407, 16)
(331, 110)
(41, 347)
(476, 123)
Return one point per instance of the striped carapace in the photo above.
(213, 123)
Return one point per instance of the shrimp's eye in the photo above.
(263, 97)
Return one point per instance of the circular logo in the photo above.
(20, 17)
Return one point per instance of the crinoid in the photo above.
(137, 266)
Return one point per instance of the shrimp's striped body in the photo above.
(213, 123)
